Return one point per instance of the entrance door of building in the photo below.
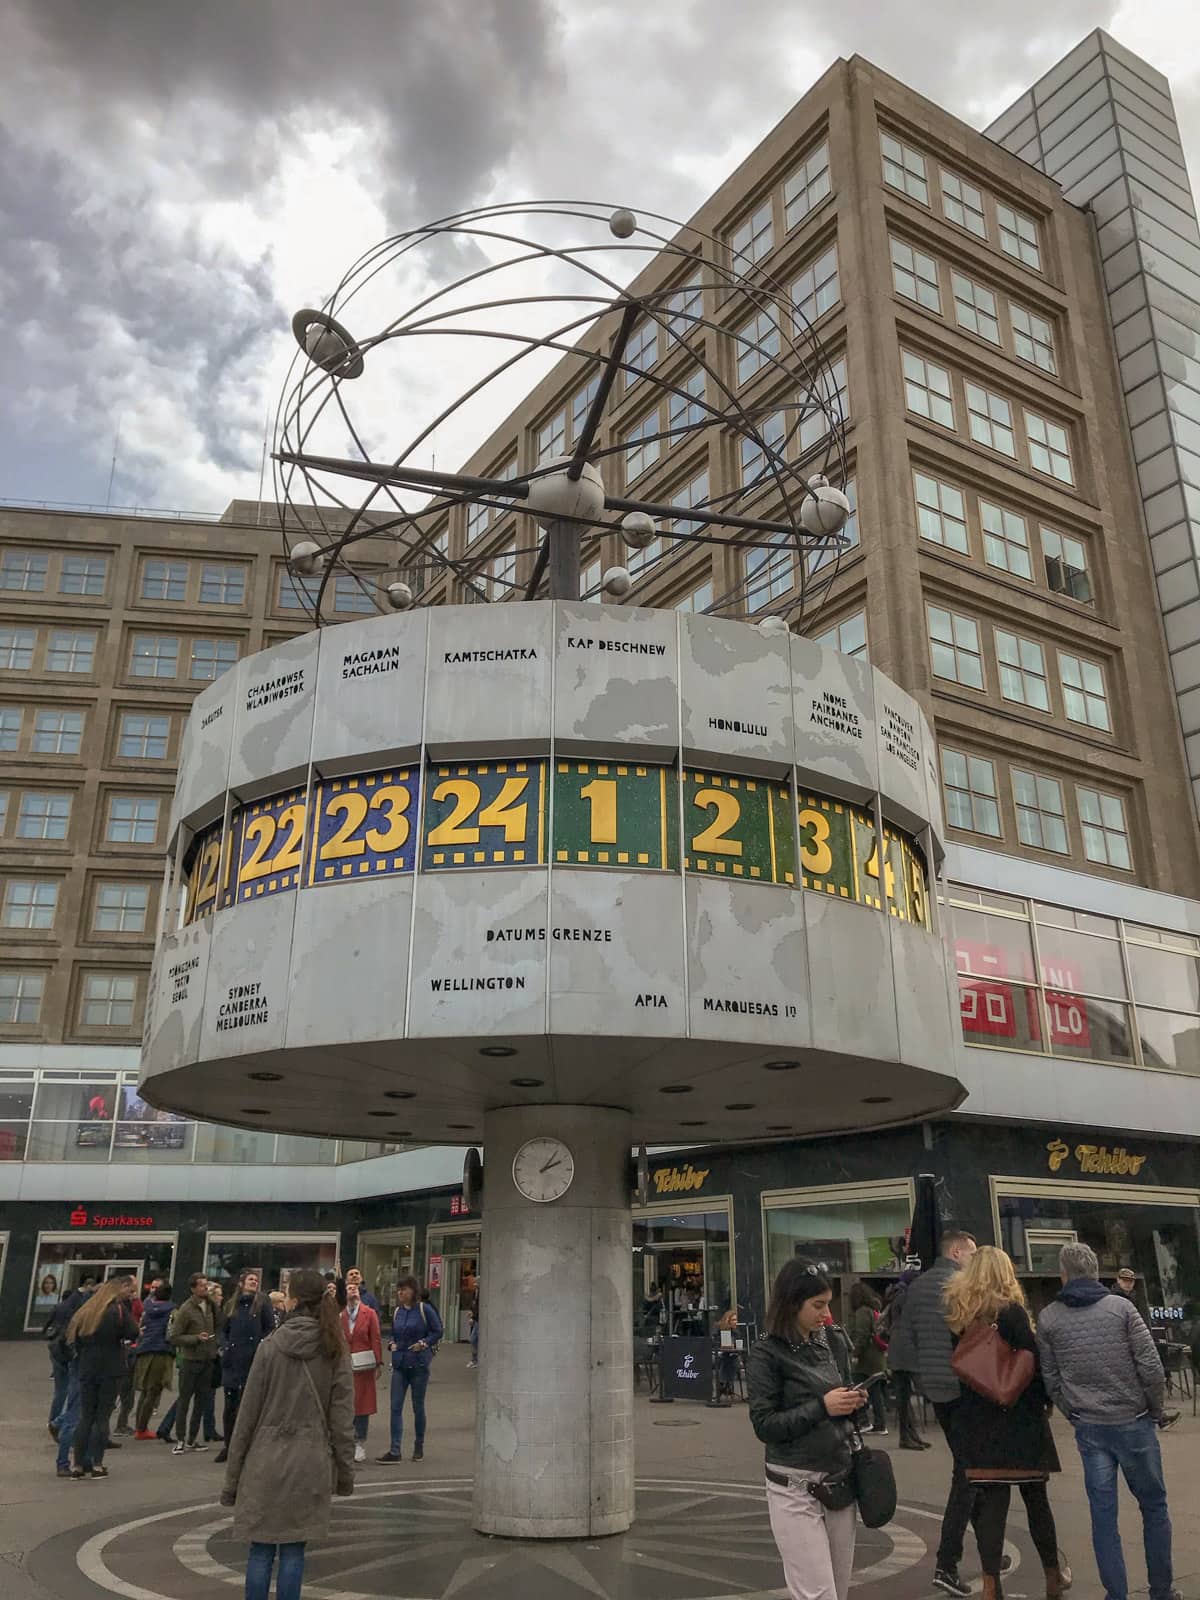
(452, 1273)
(384, 1258)
(681, 1271)
(74, 1272)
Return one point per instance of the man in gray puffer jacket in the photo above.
(1102, 1371)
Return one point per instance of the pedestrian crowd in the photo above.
(960, 1336)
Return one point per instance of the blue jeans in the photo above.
(404, 1379)
(1132, 1446)
(168, 1422)
(60, 1370)
(68, 1417)
(258, 1571)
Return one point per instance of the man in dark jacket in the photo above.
(61, 1356)
(1103, 1373)
(364, 1294)
(192, 1331)
(902, 1359)
(930, 1347)
(249, 1321)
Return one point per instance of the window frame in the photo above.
(746, 259)
(1086, 570)
(225, 568)
(53, 813)
(21, 648)
(1023, 671)
(992, 422)
(1048, 448)
(975, 314)
(902, 166)
(817, 294)
(85, 577)
(941, 513)
(1105, 829)
(1023, 808)
(145, 716)
(1029, 333)
(123, 884)
(1081, 689)
(912, 269)
(63, 713)
(139, 651)
(113, 978)
(134, 820)
(980, 232)
(20, 976)
(36, 565)
(813, 169)
(172, 567)
(72, 651)
(35, 902)
(931, 392)
(959, 649)
(1000, 541)
(221, 667)
(991, 796)
(1015, 232)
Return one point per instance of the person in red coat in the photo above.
(361, 1327)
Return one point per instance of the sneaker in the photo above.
(111, 1444)
(1168, 1420)
(64, 1472)
(950, 1583)
(81, 1472)
(471, 1365)
(418, 1452)
(1006, 1565)
(866, 1427)
(222, 1454)
(913, 1444)
(145, 1433)
(359, 1453)
(178, 1449)
(880, 1433)
(123, 1427)
(99, 1472)
(389, 1459)
(197, 1445)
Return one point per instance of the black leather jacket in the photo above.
(787, 1384)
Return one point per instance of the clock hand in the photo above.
(550, 1164)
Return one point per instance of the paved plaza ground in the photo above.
(154, 1530)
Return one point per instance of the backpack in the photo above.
(433, 1348)
(879, 1334)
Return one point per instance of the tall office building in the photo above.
(1005, 320)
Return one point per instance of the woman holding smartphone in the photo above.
(801, 1406)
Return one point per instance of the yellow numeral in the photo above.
(352, 806)
(263, 831)
(872, 868)
(815, 855)
(916, 879)
(504, 812)
(713, 841)
(601, 796)
(393, 801)
(260, 830)
(451, 829)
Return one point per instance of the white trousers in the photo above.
(816, 1546)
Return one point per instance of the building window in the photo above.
(70, 651)
(698, 600)
(581, 404)
(121, 908)
(927, 390)
(1022, 665)
(806, 187)
(1033, 338)
(990, 419)
(21, 996)
(10, 726)
(962, 203)
(1066, 565)
(915, 276)
(754, 239)
(222, 585)
(835, 393)
(24, 571)
(757, 343)
(478, 518)
(44, 816)
(684, 309)
(164, 580)
(107, 1001)
(1049, 450)
(821, 557)
(155, 655)
(1041, 818)
(642, 446)
(500, 575)
(354, 593)
(57, 733)
(969, 783)
(975, 308)
(1005, 540)
(686, 409)
(1105, 834)
(83, 575)
(30, 903)
(641, 352)
(941, 513)
(552, 438)
(16, 648)
(816, 290)
(1084, 697)
(132, 819)
(142, 737)
(848, 636)
(297, 593)
(954, 646)
(757, 464)
(770, 572)
(589, 579)
(212, 657)
(1019, 236)
(904, 168)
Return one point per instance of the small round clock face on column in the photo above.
(543, 1169)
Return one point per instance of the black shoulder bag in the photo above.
(870, 1482)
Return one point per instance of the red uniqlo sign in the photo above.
(1065, 1007)
(986, 1006)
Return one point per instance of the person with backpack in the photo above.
(902, 1359)
(153, 1357)
(249, 1322)
(292, 1447)
(416, 1332)
(870, 1350)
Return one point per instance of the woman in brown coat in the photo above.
(292, 1446)
(360, 1328)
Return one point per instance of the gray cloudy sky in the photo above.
(175, 179)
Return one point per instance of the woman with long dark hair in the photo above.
(1005, 1446)
(250, 1320)
(100, 1330)
(293, 1444)
(801, 1406)
(870, 1359)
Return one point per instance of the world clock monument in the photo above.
(557, 877)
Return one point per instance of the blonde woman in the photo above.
(100, 1331)
(1004, 1445)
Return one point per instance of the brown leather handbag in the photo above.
(984, 1360)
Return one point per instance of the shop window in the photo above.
(62, 1265)
(276, 1256)
(234, 1146)
(143, 1133)
(1161, 977)
(73, 1119)
(16, 1107)
(849, 1239)
(687, 1255)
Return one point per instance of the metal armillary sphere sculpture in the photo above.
(753, 371)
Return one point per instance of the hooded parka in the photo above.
(291, 1450)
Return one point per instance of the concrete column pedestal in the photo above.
(554, 1441)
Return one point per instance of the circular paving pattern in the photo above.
(414, 1541)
